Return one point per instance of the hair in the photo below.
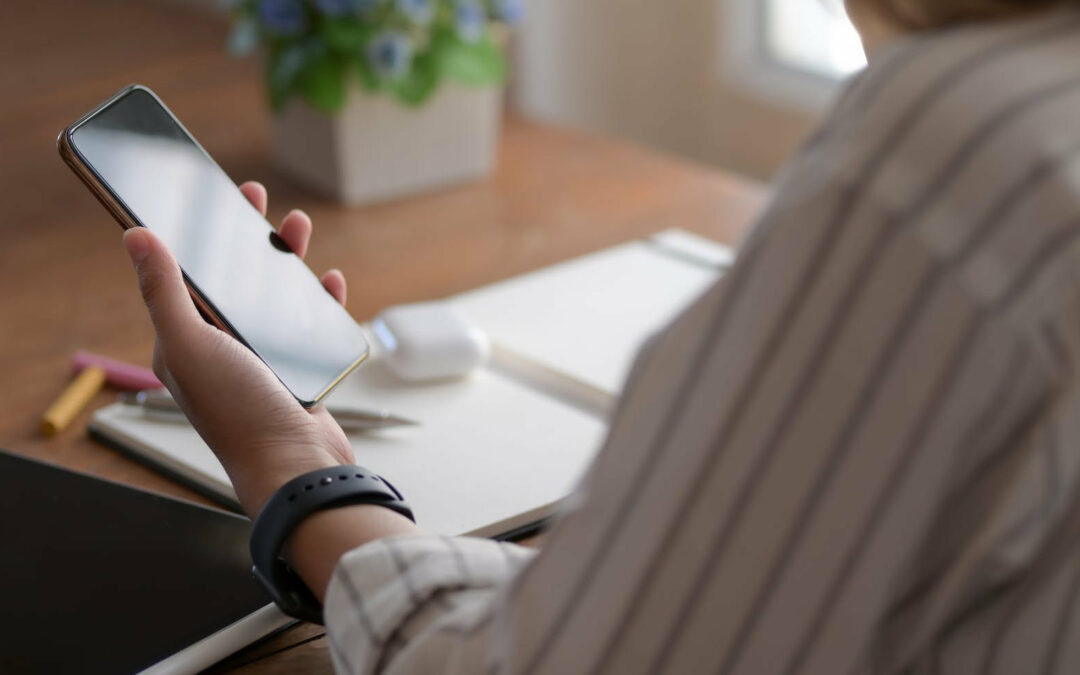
(922, 14)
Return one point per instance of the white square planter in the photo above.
(376, 148)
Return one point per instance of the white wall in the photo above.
(653, 71)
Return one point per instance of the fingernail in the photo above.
(137, 245)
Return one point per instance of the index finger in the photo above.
(256, 194)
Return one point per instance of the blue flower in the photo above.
(417, 11)
(509, 11)
(471, 21)
(283, 17)
(390, 54)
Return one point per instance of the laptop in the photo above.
(97, 577)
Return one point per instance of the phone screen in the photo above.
(226, 248)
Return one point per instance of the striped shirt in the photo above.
(858, 453)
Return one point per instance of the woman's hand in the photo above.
(262, 436)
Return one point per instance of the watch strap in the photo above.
(331, 487)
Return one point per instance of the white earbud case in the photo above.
(429, 341)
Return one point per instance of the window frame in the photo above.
(751, 67)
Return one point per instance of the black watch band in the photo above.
(327, 488)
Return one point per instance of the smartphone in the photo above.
(148, 171)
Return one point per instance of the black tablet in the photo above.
(100, 577)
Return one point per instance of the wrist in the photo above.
(289, 525)
(255, 485)
(320, 540)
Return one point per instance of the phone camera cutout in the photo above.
(277, 242)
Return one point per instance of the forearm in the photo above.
(320, 540)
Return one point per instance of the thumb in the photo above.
(161, 283)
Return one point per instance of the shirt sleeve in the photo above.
(417, 604)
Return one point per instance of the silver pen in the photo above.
(160, 405)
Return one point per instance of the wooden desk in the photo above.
(66, 284)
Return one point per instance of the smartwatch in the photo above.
(327, 488)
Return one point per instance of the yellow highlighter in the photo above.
(76, 397)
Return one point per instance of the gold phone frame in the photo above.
(127, 220)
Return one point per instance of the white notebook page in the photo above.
(489, 454)
(585, 318)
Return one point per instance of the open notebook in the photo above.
(516, 436)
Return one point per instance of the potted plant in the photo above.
(374, 99)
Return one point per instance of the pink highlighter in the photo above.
(118, 374)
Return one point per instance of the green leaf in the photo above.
(419, 83)
(366, 75)
(323, 82)
(283, 69)
(475, 64)
(345, 36)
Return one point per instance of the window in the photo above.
(808, 35)
(794, 51)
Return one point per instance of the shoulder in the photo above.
(938, 86)
(966, 138)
